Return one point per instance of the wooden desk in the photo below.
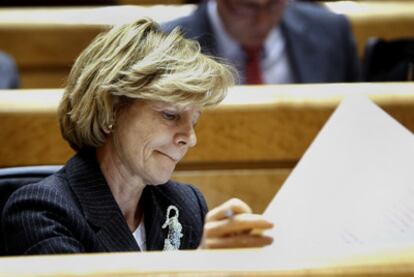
(246, 147)
(46, 41)
(253, 262)
(382, 19)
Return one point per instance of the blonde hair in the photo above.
(136, 61)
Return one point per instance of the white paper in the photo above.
(352, 190)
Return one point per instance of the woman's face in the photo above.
(151, 137)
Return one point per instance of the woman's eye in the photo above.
(170, 115)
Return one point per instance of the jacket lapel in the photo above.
(155, 204)
(98, 203)
(302, 47)
(202, 30)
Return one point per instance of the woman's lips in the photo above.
(170, 156)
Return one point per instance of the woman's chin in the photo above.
(160, 179)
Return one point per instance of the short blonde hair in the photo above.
(136, 61)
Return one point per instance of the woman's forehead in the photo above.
(175, 106)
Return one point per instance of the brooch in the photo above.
(172, 242)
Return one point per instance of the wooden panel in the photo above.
(210, 263)
(382, 19)
(30, 134)
(254, 186)
(33, 139)
(49, 51)
(41, 77)
(274, 125)
(46, 45)
(54, 37)
(46, 41)
(247, 147)
(255, 127)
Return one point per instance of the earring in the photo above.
(108, 129)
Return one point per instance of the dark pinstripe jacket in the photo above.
(74, 211)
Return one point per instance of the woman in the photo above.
(129, 110)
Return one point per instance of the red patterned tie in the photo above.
(253, 74)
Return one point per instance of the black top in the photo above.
(74, 211)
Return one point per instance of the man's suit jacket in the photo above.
(320, 44)
(74, 211)
(9, 76)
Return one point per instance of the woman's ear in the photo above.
(108, 129)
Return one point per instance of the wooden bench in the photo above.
(382, 19)
(212, 263)
(46, 41)
(246, 148)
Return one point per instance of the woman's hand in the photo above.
(232, 225)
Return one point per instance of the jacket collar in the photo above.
(103, 213)
(156, 200)
(97, 202)
(301, 45)
(202, 30)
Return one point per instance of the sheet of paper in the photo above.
(352, 190)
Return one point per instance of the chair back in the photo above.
(391, 60)
(15, 177)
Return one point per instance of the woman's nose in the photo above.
(186, 135)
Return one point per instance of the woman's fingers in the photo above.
(231, 207)
(240, 223)
(240, 241)
(232, 225)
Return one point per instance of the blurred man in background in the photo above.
(9, 77)
(272, 41)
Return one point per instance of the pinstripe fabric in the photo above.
(74, 211)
